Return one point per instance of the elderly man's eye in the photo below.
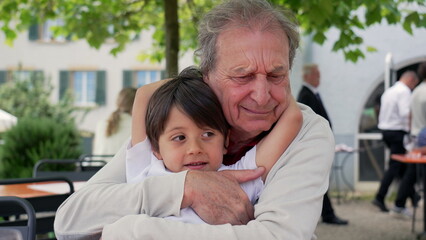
(244, 78)
(276, 78)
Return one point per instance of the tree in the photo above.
(350, 17)
(174, 22)
(30, 98)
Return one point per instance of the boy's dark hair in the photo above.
(190, 94)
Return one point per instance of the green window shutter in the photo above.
(64, 78)
(37, 75)
(163, 74)
(33, 33)
(2, 77)
(127, 79)
(100, 97)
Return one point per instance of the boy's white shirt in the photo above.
(142, 163)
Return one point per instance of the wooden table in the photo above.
(44, 196)
(412, 159)
(40, 189)
(23, 190)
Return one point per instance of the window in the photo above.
(16, 75)
(45, 32)
(140, 78)
(87, 87)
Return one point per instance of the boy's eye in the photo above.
(208, 134)
(178, 138)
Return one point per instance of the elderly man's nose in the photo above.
(261, 90)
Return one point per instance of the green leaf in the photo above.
(371, 49)
(354, 55)
(407, 27)
(373, 15)
(319, 37)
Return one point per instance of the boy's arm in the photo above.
(271, 147)
(140, 105)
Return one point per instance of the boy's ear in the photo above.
(225, 147)
(157, 155)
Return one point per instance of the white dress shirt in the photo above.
(395, 108)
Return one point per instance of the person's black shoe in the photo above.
(416, 199)
(380, 204)
(335, 220)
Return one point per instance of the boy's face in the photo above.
(185, 146)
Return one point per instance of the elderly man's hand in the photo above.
(217, 196)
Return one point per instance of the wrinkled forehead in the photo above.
(262, 25)
(242, 40)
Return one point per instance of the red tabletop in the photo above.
(38, 189)
(409, 158)
(23, 190)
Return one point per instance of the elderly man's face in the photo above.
(251, 78)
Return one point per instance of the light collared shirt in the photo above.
(395, 108)
(312, 88)
(418, 109)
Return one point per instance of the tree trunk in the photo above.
(172, 37)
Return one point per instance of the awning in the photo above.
(7, 120)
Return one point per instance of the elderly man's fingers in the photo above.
(245, 175)
(217, 197)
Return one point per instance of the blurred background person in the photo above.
(394, 123)
(418, 122)
(112, 132)
(309, 96)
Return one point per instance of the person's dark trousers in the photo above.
(327, 209)
(394, 140)
(406, 187)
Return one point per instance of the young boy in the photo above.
(187, 130)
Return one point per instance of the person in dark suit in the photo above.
(309, 96)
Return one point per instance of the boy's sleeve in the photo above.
(138, 158)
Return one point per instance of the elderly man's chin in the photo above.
(256, 126)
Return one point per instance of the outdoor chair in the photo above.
(73, 169)
(94, 160)
(14, 229)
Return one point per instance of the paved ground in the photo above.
(366, 222)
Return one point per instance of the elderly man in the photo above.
(246, 49)
(309, 95)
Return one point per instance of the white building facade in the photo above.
(348, 90)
